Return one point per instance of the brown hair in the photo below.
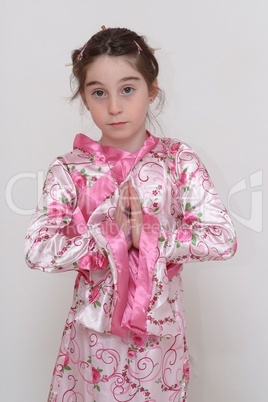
(115, 42)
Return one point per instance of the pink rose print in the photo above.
(93, 261)
(105, 378)
(95, 294)
(186, 370)
(101, 159)
(98, 261)
(83, 262)
(183, 179)
(131, 353)
(184, 235)
(174, 148)
(172, 167)
(79, 180)
(190, 216)
(66, 360)
(139, 340)
(95, 375)
(58, 210)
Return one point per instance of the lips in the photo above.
(118, 123)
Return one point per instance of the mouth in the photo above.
(117, 124)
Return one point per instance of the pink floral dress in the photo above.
(124, 338)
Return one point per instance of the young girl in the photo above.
(125, 213)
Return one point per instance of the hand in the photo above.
(136, 218)
(122, 214)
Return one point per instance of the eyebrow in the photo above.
(131, 78)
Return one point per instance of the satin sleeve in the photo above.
(58, 238)
(204, 230)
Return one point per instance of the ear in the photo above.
(153, 92)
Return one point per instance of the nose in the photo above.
(115, 105)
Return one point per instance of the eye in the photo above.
(99, 93)
(128, 90)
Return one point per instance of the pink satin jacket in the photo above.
(117, 290)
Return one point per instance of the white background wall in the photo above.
(214, 63)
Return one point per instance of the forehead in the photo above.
(106, 68)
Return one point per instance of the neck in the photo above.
(129, 145)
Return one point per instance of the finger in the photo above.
(135, 203)
(122, 214)
(124, 197)
(122, 203)
(136, 216)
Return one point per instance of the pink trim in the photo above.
(90, 146)
(91, 197)
(144, 282)
(111, 154)
(173, 269)
(77, 226)
(118, 245)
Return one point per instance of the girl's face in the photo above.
(118, 98)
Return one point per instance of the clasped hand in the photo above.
(128, 215)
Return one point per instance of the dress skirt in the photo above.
(95, 367)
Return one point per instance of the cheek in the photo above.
(142, 108)
(95, 111)
(96, 117)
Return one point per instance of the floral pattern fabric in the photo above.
(124, 338)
